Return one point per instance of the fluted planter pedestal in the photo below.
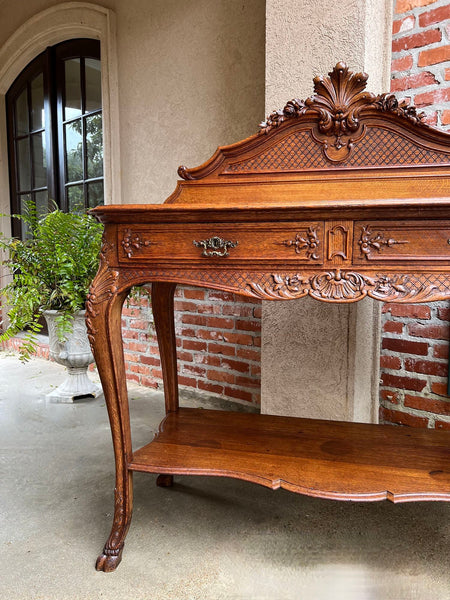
(75, 354)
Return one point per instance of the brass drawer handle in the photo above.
(215, 246)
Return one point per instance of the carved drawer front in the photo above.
(219, 242)
(382, 241)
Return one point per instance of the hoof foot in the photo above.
(164, 481)
(108, 562)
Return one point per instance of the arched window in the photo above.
(54, 115)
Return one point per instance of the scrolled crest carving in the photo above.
(104, 286)
(339, 100)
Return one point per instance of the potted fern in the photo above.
(50, 273)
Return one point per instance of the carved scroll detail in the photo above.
(104, 286)
(293, 108)
(183, 172)
(369, 242)
(343, 286)
(132, 242)
(336, 285)
(309, 242)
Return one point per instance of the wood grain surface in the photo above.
(328, 459)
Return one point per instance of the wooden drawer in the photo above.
(218, 242)
(384, 241)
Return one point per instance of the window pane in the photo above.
(41, 200)
(23, 164)
(94, 146)
(72, 107)
(74, 150)
(21, 110)
(24, 200)
(39, 160)
(37, 103)
(95, 193)
(93, 84)
(75, 198)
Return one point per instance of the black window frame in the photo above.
(51, 64)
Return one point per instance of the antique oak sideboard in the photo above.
(341, 196)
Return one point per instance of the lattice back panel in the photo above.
(299, 151)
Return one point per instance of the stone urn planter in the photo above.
(75, 354)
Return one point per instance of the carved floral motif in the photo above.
(132, 242)
(369, 241)
(309, 242)
(343, 286)
(388, 103)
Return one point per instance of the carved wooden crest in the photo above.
(339, 100)
(341, 126)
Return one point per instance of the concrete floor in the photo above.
(206, 538)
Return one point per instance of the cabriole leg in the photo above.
(104, 308)
(163, 314)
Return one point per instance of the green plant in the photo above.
(50, 270)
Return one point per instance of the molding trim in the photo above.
(62, 22)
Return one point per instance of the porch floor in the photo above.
(205, 538)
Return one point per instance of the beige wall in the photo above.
(190, 76)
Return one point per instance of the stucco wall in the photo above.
(190, 77)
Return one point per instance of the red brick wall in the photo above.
(421, 56)
(218, 337)
(414, 364)
(414, 352)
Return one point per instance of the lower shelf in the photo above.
(328, 459)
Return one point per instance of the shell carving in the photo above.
(338, 100)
